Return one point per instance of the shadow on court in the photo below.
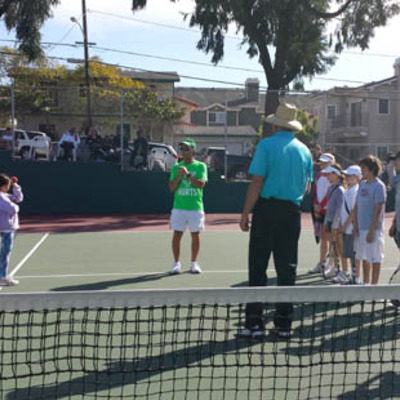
(102, 285)
(122, 373)
(388, 388)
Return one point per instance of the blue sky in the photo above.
(124, 31)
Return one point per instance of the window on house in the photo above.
(355, 114)
(216, 118)
(383, 106)
(331, 111)
(382, 152)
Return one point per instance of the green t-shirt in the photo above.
(187, 196)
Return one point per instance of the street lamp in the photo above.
(86, 54)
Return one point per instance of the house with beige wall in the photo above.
(69, 109)
(361, 120)
(221, 117)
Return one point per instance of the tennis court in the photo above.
(138, 257)
(182, 345)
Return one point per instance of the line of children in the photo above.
(9, 223)
(354, 220)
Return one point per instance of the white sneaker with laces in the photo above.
(316, 270)
(176, 269)
(195, 268)
(342, 277)
(8, 281)
(331, 272)
(358, 281)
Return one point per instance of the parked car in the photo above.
(214, 157)
(31, 144)
(160, 152)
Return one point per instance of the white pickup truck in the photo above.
(30, 144)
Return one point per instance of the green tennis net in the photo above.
(183, 344)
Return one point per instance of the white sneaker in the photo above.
(176, 269)
(255, 333)
(195, 268)
(358, 281)
(8, 281)
(331, 272)
(342, 277)
(316, 270)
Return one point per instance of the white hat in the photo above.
(353, 170)
(333, 169)
(285, 117)
(328, 158)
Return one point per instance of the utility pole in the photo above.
(87, 72)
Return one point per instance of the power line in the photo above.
(238, 85)
(168, 26)
(159, 24)
(106, 49)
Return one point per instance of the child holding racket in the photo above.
(368, 216)
(9, 223)
(333, 214)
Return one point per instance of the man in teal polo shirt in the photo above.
(282, 170)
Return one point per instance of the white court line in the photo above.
(29, 255)
(238, 271)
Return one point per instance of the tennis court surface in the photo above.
(162, 342)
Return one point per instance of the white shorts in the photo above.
(371, 252)
(180, 219)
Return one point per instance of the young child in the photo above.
(394, 175)
(319, 203)
(9, 223)
(345, 237)
(333, 215)
(368, 217)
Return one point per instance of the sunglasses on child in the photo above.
(184, 148)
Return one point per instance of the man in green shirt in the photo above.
(187, 181)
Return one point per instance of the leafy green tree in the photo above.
(31, 81)
(37, 84)
(26, 17)
(310, 123)
(290, 38)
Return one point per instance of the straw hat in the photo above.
(285, 117)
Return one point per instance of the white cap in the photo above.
(327, 157)
(353, 170)
(331, 169)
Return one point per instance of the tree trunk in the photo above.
(271, 104)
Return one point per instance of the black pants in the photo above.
(275, 230)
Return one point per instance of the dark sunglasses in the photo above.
(184, 148)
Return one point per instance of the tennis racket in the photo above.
(353, 269)
(395, 280)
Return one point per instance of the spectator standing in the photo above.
(140, 149)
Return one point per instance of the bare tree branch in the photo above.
(330, 15)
